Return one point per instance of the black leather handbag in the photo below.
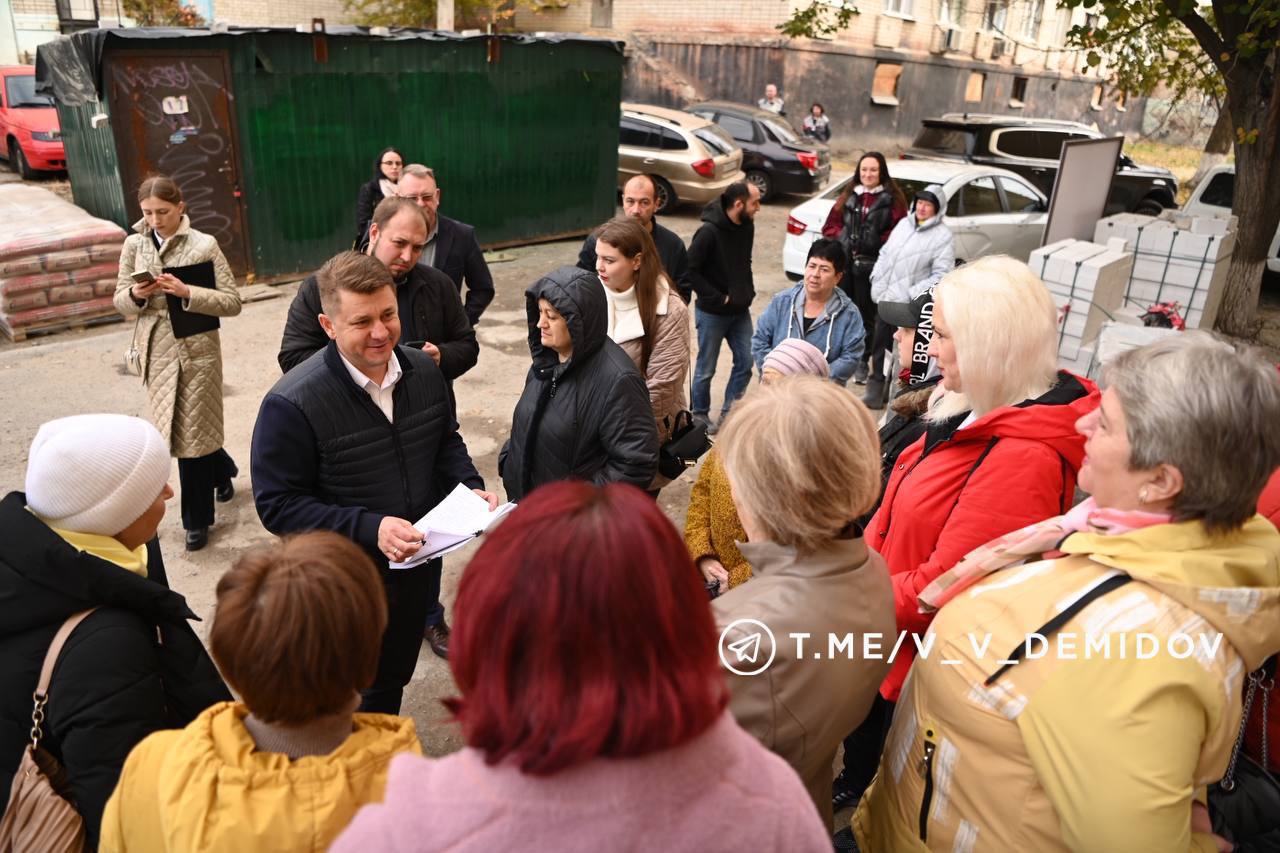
(1245, 806)
(685, 447)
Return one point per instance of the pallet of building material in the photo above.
(56, 318)
(58, 264)
(1087, 282)
(1118, 336)
(1178, 258)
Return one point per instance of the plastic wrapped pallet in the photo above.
(1087, 281)
(1178, 258)
(58, 264)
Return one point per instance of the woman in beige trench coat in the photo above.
(183, 375)
(646, 318)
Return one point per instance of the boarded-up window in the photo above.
(1018, 99)
(1122, 98)
(1096, 100)
(973, 91)
(884, 88)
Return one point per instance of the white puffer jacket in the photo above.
(914, 257)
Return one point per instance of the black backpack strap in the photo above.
(1051, 627)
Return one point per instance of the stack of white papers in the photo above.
(452, 523)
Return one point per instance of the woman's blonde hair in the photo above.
(1004, 324)
(803, 459)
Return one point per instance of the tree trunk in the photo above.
(1216, 149)
(1257, 202)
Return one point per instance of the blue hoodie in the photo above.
(837, 332)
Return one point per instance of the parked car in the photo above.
(29, 124)
(990, 211)
(775, 157)
(689, 158)
(1212, 197)
(1033, 149)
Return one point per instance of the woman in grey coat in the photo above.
(919, 252)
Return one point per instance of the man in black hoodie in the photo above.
(720, 269)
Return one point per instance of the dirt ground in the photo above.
(80, 372)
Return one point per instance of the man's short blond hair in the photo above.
(803, 459)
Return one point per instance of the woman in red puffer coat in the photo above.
(1000, 452)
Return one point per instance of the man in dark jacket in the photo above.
(431, 317)
(360, 439)
(452, 247)
(585, 411)
(720, 266)
(81, 537)
(638, 202)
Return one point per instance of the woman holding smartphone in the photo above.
(181, 367)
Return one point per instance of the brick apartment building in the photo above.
(27, 24)
(898, 62)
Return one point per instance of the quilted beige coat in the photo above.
(183, 376)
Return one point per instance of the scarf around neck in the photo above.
(1041, 538)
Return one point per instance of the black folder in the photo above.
(187, 323)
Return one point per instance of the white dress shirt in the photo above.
(380, 394)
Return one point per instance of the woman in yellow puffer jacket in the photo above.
(297, 632)
(1154, 598)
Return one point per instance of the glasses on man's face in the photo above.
(420, 198)
(393, 162)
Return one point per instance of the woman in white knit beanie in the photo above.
(82, 538)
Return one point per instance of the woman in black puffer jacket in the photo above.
(585, 411)
(82, 537)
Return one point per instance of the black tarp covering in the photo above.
(70, 68)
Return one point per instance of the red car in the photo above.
(29, 123)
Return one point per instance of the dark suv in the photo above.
(774, 156)
(1032, 148)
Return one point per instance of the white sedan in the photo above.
(990, 211)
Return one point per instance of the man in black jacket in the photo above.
(431, 317)
(638, 203)
(720, 266)
(361, 439)
(452, 247)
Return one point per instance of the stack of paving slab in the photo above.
(58, 264)
(1177, 258)
(1087, 281)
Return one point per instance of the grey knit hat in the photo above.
(795, 356)
(95, 473)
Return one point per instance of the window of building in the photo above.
(1018, 98)
(899, 7)
(951, 13)
(1064, 27)
(973, 91)
(1034, 18)
(1096, 101)
(995, 15)
(884, 88)
(1122, 98)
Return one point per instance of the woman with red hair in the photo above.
(592, 703)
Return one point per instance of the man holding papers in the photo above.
(360, 439)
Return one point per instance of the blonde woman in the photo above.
(183, 375)
(1000, 451)
(802, 461)
(645, 318)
